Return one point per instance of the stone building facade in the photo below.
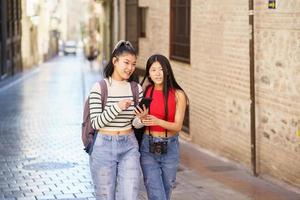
(216, 76)
(39, 36)
(45, 23)
(277, 41)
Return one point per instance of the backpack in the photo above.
(87, 132)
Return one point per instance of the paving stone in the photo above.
(7, 198)
(4, 187)
(19, 193)
(44, 197)
(87, 190)
(24, 198)
(64, 196)
(83, 195)
(54, 192)
(30, 194)
(9, 195)
(10, 189)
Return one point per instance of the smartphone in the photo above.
(145, 101)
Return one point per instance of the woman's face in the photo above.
(124, 66)
(156, 73)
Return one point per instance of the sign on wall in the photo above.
(272, 4)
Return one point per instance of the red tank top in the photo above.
(157, 107)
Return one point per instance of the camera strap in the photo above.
(151, 94)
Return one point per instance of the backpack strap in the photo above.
(104, 92)
(135, 92)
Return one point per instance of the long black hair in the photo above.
(121, 48)
(169, 81)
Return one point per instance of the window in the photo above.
(142, 21)
(180, 30)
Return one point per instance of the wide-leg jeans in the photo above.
(115, 167)
(160, 170)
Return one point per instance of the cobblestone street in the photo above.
(41, 154)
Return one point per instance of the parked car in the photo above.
(69, 47)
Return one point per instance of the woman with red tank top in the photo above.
(160, 147)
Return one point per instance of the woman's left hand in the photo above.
(150, 120)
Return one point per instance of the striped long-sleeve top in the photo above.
(112, 118)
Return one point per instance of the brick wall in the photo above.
(278, 89)
(217, 79)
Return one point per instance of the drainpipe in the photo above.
(252, 88)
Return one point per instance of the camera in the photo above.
(158, 148)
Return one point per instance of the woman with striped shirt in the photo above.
(114, 162)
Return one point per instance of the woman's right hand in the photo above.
(124, 104)
(141, 113)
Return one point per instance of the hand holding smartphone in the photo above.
(140, 111)
(145, 101)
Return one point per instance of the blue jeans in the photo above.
(115, 167)
(160, 170)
